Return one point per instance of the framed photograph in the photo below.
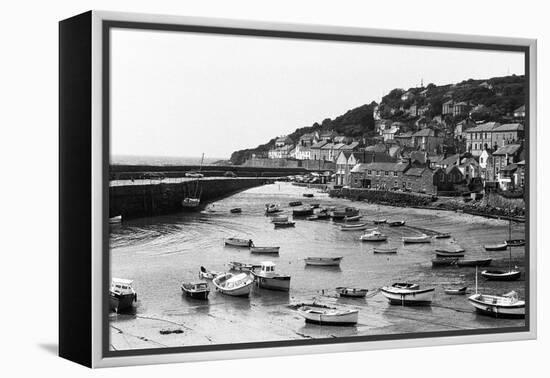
(234, 189)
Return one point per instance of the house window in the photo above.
(394, 174)
(369, 172)
(386, 173)
(378, 173)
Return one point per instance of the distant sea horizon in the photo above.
(162, 160)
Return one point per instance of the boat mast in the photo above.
(476, 278)
(198, 179)
(509, 246)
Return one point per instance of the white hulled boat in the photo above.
(417, 239)
(121, 294)
(373, 236)
(236, 242)
(266, 277)
(267, 250)
(208, 274)
(354, 227)
(326, 315)
(408, 294)
(324, 261)
(236, 285)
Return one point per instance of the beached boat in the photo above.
(308, 195)
(396, 223)
(324, 261)
(196, 290)
(515, 242)
(351, 292)
(384, 250)
(474, 262)
(115, 219)
(354, 227)
(449, 252)
(457, 291)
(496, 247)
(379, 221)
(345, 212)
(295, 203)
(272, 208)
(208, 274)
(269, 250)
(236, 242)
(315, 205)
(284, 224)
(408, 294)
(353, 219)
(236, 210)
(505, 306)
(417, 239)
(279, 218)
(373, 236)
(236, 285)
(303, 211)
(242, 267)
(266, 277)
(325, 315)
(121, 294)
(444, 261)
(442, 235)
(500, 275)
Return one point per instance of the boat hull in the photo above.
(280, 283)
(323, 261)
(203, 295)
(385, 250)
(500, 276)
(496, 247)
(265, 250)
(346, 319)
(481, 262)
(497, 311)
(237, 243)
(118, 302)
(409, 297)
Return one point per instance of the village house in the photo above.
(446, 179)
(509, 133)
(501, 158)
(388, 134)
(455, 109)
(469, 167)
(345, 161)
(283, 141)
(420, 180)
(512, 177)
(448, 161)
(404, 139)
(315, 150)
(480, 138)
(327, 152)
(328, 136)
(378, 175)
(462, 126)
(427, 140)
(282, 152)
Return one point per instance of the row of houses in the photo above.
(492, 135)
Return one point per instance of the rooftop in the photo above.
(509, 127)
(509, 149)
(489, 126)
(416, 171)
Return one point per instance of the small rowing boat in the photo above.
(351, 292)
(315, 205)
(384, 250)
(515, 242)
(379, 221)
(406, 294)
(295, 203)
(459, 291)
(442, 235)
(373, 236)
(417, 239)
(496, 247)
(308, 195)
(236, 242)
(236, 285)
(474, 262)
(196, 290)
(444, 261)
(242, 267)
(236, 210)
(396, 223)
(284, 224)
(325, 315)
(269, 250)
(208, 274)
(272, 208)
(353, 219)
(303, 211)
(324, 261)
(354, 227)
(501, 275)
(446, 252)
(279, 218)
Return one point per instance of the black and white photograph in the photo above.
(277, 190)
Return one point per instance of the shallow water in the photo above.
(159, 253)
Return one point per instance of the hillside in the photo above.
(491, 100)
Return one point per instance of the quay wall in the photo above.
(139, 200)
(384, 197)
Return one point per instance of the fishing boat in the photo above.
(474, 262)
(408, 294)
(379, 221)
(325, 315)
(196, 290)
(324, 261)
(268, 250)
(236, 285)
(458, 291)
(192, 201)
(504, 306)
(515, 242)
(353, 219)
(266, 278)
(236, 242)
(121, 294)
(208, 274)
(236, 210)
(384, 250)
(500, 275)
(284, 224)
(373, 236)
(447, 252)
(345, 212)
(444, 261)
(417, 239)
(308, 195)
(351, 292)
(442, 235)
(242, 267)
(272, 208)
(115, 219)
(354, 227)
(295, 203)
(496, 247)
(396, 223)
(303, 211)
(279, 218)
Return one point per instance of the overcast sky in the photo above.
(182, 94)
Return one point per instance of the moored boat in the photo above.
(236, 242)
(500, 275)
(353, 219)
(345, 212)
(116, 219)
(279, 218)
(398, 223)
(284, 224)
(242, 267)
(384, 250)
(270, 250)
(272, 208)
(456, 291)
(515, 242)
(408, 294)
(351, 292)
(496, 247)
(379, 221)
(442, 235)
(448, 252)
(308, 195)
(354, 227)
(325, 315)
(444, 261)
(324, 261)
(121, 294)
(196, 290)
(236, 210)
(208, 274)
(373, 236)
(266, 277)
(474, 262)
(315, 205)
(417, 239)
(505, 306)
(303, 211)
(295, 203)
(236, 285)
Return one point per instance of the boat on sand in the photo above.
(353, 227)
(236, 242)
(208, 274)
(236, 285)
(267, 278)
(269, 250)
(196, 290)
(325, 315)
(373, 236)
(324, 261)
(406, 294)
(417, 239)
(351, 292)
(384, 250)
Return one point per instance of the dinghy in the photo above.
(442, 235)
(379, 221)
(324, 261)
(345, 212)
(236, 210)
(474, 262)
(501, 275)
(459, 291)
(351, 292)
(269, 250)
(242, 267)
(373, 236)
(303, 211)
(308, 195)
(315, 205)
(272, 208)
(325, 315)
(238, 285)
(354, 227)
(448, 252)
(444, 261)
(408, 294)
(417, 239)
(284, 224)
(266, 278)
(384, 250)
(496, 247)
(396, 223)
(352, 219)
(279, 218)
(295, 203)
(208, 274)
(236, 242)
(196, 290)
(515, 242)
